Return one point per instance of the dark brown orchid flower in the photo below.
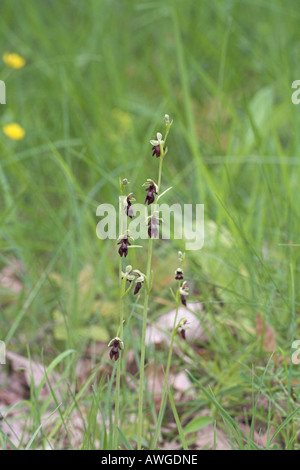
(179, 274)
(116, 345)
(156, 151)
(153, 224)
(156, 145)
(129, 210)
(138, 287)
(123, 250)
(182, 328)
(184, 292)
(151, 191)
(183, 300)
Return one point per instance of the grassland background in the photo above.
(99, 76)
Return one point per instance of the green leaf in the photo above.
(179, 427)
(163, 193)
(51, 367)
(125, 440)
(198, 423)
(282, 425)
(236, 431)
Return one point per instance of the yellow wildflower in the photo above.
(14, 61)
(14, 131)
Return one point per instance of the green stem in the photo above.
(143, 349)
(118, 377)
(159, 175)
(120, 334)
(165, 387)
(145, 311)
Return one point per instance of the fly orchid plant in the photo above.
(143, 283)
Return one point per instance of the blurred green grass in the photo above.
(98, 79)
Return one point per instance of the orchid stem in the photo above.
(120, 334)
(143, 349)
(165, 387)
(145, 312)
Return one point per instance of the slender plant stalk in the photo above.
(143, 349)
(165, 387)
(145, 312)
(159, 175)
(120, 334)
(118, 377)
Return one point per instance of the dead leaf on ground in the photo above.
(160, 331)
(179, 382)
(28, 369)
(12, 425)
(206, 436)
(259, 438)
